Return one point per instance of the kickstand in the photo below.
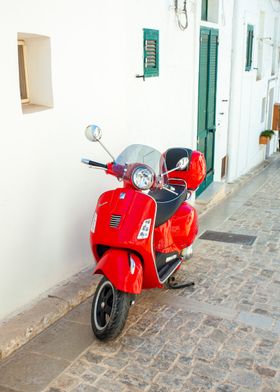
(171, 284)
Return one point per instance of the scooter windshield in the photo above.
(139, 153)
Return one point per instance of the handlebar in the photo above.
(122, 173)
(93, 163)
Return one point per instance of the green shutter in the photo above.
(204, 9)
(203, 79)
(212, 78)
(151, 53)
(208, 62)
(249, 47)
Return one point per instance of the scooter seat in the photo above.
(167, 202)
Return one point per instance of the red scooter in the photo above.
(141, 232)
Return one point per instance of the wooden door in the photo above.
(208, 61)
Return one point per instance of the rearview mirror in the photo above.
(93, 133)
(182, 164)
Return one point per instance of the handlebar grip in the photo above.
(93, 163)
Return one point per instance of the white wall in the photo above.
(47, 197)
(224, 25)
(247, 91)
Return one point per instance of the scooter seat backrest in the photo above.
(173, 155)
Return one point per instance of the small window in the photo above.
(22, 68)
(249, 47)
(151, 53)
(210, 11)
(34, 66)
(204, 9)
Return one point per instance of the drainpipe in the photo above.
(235, 101)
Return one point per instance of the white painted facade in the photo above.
(253, 93)
(90, 53)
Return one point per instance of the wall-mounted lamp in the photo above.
(181, 13)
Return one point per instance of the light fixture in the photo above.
(179, 12)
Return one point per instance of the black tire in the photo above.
(109, 310)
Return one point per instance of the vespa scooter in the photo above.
(141, 232)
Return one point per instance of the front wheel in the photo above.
(109, 310)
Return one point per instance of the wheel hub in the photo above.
(103, 305)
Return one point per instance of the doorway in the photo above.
(207, 86)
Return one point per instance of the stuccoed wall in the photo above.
(223, 18)
(47, 196)
(247, 92)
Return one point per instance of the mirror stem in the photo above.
(168, 171)
(108, 152)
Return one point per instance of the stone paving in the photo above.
(221, 335)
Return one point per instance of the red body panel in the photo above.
(195, 174)
(178, 232)
(111, 243)
(184, 226)
(115, 266)
(134, 208)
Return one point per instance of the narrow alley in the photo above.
(221, 335)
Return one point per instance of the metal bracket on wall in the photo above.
(141, 76)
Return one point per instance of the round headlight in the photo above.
(143, 178)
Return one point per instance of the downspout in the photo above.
(196, 50)
(233, 101)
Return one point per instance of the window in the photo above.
(151, 53)
(210, 11)
(204, 9)
(249, 47)
(34, 66)
(23, 80)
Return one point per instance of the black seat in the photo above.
(167, 202)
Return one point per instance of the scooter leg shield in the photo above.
(123, 268)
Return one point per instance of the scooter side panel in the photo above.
(115, 265)
(178, 232)
(164, 242)
(120, 215)
(184, 226)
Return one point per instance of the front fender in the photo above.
(115, 265)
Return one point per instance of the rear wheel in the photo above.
(109, 310)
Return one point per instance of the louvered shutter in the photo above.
(208, 62)
(212, 78)
(151, 52)
(203, 80)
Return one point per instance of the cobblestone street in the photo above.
(223, 334)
